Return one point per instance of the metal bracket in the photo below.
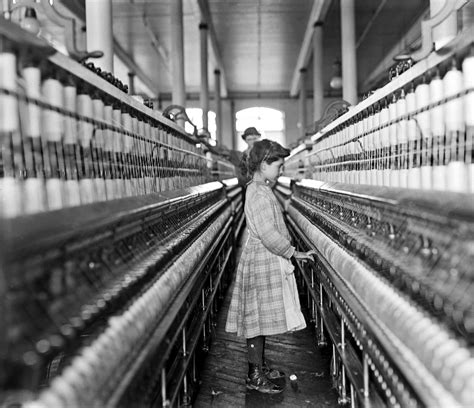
(68, 23)
(332, 112)
(178, 112)
(428, 25)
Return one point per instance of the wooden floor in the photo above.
(225, 370)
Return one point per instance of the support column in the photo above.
(217, 82)
(302, 104)
(177, 55)
(131, 83)
(349, 60)
(204, 95)
(318, 85)
(99, 32)
(232, 122)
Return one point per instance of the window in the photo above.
(195, 115)
(269, 122)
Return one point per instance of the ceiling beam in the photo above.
(157, 44)
(248, 95)
(205, 17)
(78, 8)
(318, 13)
(134, 67)
(370, 23)
(410, 40)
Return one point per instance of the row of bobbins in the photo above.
(419, 137)
(64, 143)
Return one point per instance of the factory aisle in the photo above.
(225, 369)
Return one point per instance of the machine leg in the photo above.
(321, 338)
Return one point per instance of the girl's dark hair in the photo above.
(266, 151)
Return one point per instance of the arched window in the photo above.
(195, 114)
(269, 122)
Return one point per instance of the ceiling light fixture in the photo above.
(336, 80)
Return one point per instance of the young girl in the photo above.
(257, 306)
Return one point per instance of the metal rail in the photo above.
(372, 304)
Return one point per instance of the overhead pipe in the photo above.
(302, 103)
(177, 56)
(217, 90)
(204, 95)
(99, 32)
(318, 84)
(349, 60)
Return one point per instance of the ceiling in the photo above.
(258, 42)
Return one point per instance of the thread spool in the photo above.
(154, 152)
(370, 143)
(10, 181)
(378, 143)
(342, 149)
(457, 171)
(127, 149)
(180, 161)
(402, 139)
(340, 152)
(359, 149)
(468, 83)
(333, 170)
(345, 148)
(136, 179)
(156, 158)
(149, 181)
(171, 175)
(174, 166)
(71, 147)
(384, 175)
(134, 157)
(34, 187)
(356, 154)
(393, 172)
(108, 153)
(414, 174)
(365, 142)
(146, 151)
(53, 132)
(117, 142)
(422, 97)
(142, 182)
(97, 146)
(86, 129)
(375, 144)
(438, 133)
(164, 160)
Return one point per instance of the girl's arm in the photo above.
(263, 218)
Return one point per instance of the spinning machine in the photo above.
(117, 239)
(384, 194)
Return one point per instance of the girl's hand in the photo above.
(304, 256)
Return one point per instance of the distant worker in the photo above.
(250, 136)
(239, 159)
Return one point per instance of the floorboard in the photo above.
(222, 379)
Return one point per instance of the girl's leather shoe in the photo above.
(258, 381)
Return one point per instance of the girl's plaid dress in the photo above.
(256, 308)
